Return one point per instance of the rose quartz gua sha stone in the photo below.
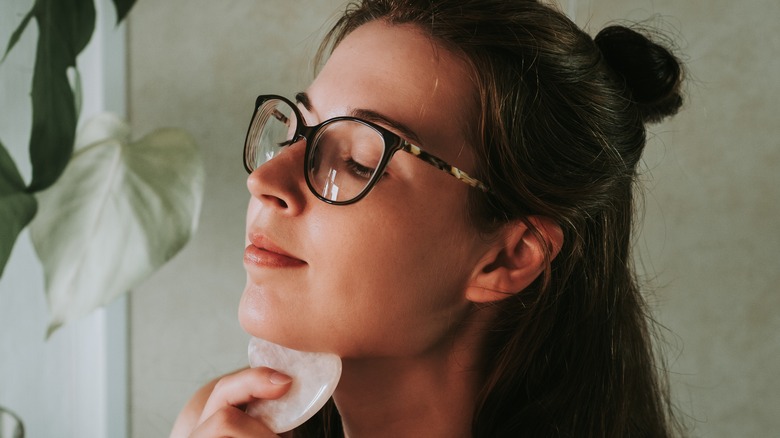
(315, 376)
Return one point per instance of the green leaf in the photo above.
(17, 33)
(122, 8)
(65, 28)
(17, 207)
(119, 212)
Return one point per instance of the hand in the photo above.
(223, 414)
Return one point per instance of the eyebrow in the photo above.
(367, 115)
(303, 98)
(375, 117)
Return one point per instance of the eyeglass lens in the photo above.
(341, 160)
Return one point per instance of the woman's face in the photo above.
(385, 276)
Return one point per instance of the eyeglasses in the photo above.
(344, 157)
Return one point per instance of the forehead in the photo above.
(401, 73)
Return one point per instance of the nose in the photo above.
(279, 183)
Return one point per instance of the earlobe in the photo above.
(517, 258)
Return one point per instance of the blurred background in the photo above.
(707, 245)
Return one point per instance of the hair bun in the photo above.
(651, 73)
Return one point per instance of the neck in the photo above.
(431, 394)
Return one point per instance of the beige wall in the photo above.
(709, 241)
(712, 229)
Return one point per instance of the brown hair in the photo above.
(561, 129)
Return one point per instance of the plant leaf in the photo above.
(65, 28)
(118, 213)
(18, 33)
(122, 8)
(17, 207)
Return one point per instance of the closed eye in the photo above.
(358, 169)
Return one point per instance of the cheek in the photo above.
(401, 305)
(411, 260)
(422, 237)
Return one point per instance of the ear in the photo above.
(516, 259)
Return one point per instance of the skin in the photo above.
(394, 284)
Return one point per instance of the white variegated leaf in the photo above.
(119, 212)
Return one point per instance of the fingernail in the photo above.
(278, 378)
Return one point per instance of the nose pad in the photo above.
(279, 182)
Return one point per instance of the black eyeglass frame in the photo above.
(393, 143)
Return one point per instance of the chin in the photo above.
(262, 316)
(258, 324)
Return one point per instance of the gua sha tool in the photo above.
(315, 376)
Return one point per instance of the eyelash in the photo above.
(359, 169)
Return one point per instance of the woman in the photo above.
(494, 298)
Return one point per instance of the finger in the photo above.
(232, 422)
(245, 386)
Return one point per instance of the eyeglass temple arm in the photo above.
(442, 165)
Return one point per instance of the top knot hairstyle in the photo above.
(651, 73)
(559, 132)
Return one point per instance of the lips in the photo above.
(262, 252)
